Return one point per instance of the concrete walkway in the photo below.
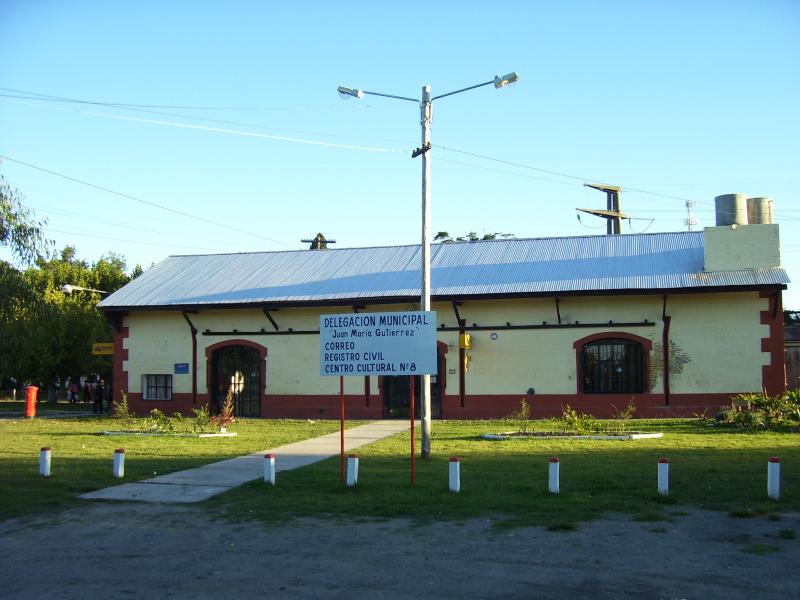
(196, 485)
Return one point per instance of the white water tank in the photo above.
(731, 209)
(759, 211)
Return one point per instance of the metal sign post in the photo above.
(366, 344)
(413, 414)
(341, 422)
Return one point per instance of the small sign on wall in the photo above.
(181, 368)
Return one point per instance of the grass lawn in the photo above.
(720, 469)
(507, 480)
(82, 459)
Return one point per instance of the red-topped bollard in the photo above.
(44, 462)
(30, 400)
(663, 476)
(119, 463)
(553, 483)
(774, 478)
(352, 470)
(454, 474)
(269, 468)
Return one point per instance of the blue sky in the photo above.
(239, 142)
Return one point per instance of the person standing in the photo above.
(99, 397)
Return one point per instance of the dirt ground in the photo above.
(145, 551)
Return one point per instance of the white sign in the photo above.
(391, 343)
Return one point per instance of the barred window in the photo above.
(613, 366)
(157, 387)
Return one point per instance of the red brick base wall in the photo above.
(475, 407)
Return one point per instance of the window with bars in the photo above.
(157, 387)
(613, 366)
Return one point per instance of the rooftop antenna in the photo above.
(612, 214)
(319, 242)
(690, 221)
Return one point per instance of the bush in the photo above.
(580, 423)
(159, 421)
(520, 418)
(623, 416)
(202, 420)
(123, 413)
(762, 412)
(225, 416)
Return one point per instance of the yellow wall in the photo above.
(715, 343)
(156, 341)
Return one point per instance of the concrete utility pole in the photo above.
(612, 213)
(426, 110)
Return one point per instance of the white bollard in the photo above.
(774, 478)
(455, 474)
(553, 483)
(44, 462)
(269, 469)
(663, 476)
(352, 470)
(119, 463)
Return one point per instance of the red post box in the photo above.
(30, 404)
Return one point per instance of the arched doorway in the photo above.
(396, 391)
(237, 367)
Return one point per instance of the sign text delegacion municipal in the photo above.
(391, 343)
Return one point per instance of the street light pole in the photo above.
(426, 111)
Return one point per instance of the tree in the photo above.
(48, 334)
(446, 238)
(18, 229)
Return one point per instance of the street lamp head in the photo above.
(346, 92)
(68, 289)
(505, 80)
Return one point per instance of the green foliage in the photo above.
(762, 412)
(580, 423)
(520, 418)
(623, 416)
(123, 413)
(202, 420)
(18, 228)
(46, 334)
(445, 238)
(160, 422)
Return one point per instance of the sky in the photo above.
(150, 129)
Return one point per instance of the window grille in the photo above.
(157, 387)
(613, 366)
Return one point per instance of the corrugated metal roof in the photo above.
(515, 267)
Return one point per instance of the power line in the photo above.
(130, 107)
(83, 217)
(50, 98)
(140, 200)
(116, 239)
(248, 133)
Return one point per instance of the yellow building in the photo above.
(675, 322)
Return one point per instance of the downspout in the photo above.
(194, 356)
(462, 384)
(665, 349)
